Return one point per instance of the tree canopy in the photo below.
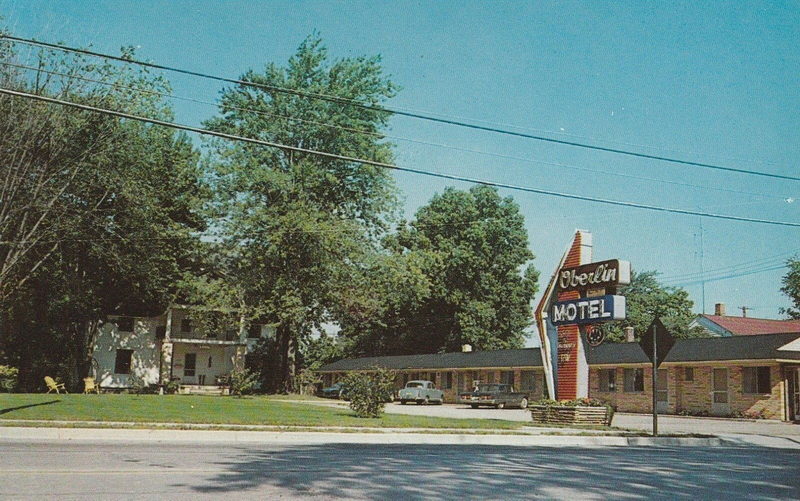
(458, 273)
(646, 298)
(791, 287)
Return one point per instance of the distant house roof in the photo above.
(744, 326)
(525, 357)
(762, 347)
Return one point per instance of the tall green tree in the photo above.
(645, 298)
(466, 267)
(791, 287)
(294, 223)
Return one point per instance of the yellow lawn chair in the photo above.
(89, 386)
(53, 386)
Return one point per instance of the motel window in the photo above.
(756, 380)
(447, 382)
(189, 364)
(608, 380)
(254, 331)
(527, 381)
(688, 374)
(186, 325)
(507, 377)
(124, 324)
(122, 364)
(634, 380)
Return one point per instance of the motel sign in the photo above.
(588, 310)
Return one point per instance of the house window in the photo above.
(688, 374)
(507, 377)
(756, 380)
(189, 364)
(186, 325)
(527, 380)
(124, 324)
(608, 380)
(254, 331)
(122, 364)
(634, 380)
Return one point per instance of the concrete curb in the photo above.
(95, 435)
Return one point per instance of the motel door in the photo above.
(662, 390)
(719, 397)
(796, 393)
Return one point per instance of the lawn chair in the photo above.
(53, 386)
(89, 386)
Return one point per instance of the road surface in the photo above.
(126, 470)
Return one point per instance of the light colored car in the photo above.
(421, 392)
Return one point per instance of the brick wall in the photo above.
(695, 396)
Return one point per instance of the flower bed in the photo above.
(572, 412)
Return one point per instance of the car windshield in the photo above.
(415, 384)
(489, 387)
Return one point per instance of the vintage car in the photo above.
(421, 392)
(336, 390)
(497, 395)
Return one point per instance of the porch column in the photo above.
(166, 351)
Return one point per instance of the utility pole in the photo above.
(655, 369)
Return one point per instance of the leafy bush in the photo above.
(172, 386)
(369, 391)
(583, 402)
(139, 387)
(8, 378)
(306, 382)
(243, 382)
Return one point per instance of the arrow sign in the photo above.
(663, 339)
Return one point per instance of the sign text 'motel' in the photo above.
(598, 275)
(590, 310)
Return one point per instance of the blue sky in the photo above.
(713, 82)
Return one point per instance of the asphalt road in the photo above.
(70, 470)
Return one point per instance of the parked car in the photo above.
(421, 392)
(497, 395)
(336, 390)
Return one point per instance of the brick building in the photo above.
(454, 372)
(756, 376)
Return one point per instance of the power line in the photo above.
(385, 165)
(726, 277)
(387, 136)
(756, 262)
(397, 111)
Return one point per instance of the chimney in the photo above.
(466, 348)
(629, 335)
(719, 309)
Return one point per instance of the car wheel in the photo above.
(403, 402)
(474, 406)
(523, 403)
(501, 405)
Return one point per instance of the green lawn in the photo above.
(212, 410)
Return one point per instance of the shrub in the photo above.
(369, 391)
(8, 378)
(172, 386)
(243, 382)
(306, 382)
(583, 402)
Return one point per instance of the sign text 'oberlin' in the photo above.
(600, 275)
(588, 310)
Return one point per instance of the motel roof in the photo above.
(747, 326)
(756, 347)
(525, 357)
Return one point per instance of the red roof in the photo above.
(743, 326)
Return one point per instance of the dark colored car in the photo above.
(497, 395)
(336, 390)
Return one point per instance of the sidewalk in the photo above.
(381, 437)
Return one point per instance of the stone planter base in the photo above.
(545, 414)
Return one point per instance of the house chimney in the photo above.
(719, 309)
(629, 335)
(466, 348)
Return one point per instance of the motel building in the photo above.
(754, 376)
(750, 368)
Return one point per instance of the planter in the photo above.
(566, 415)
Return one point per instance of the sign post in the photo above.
(656, 344)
